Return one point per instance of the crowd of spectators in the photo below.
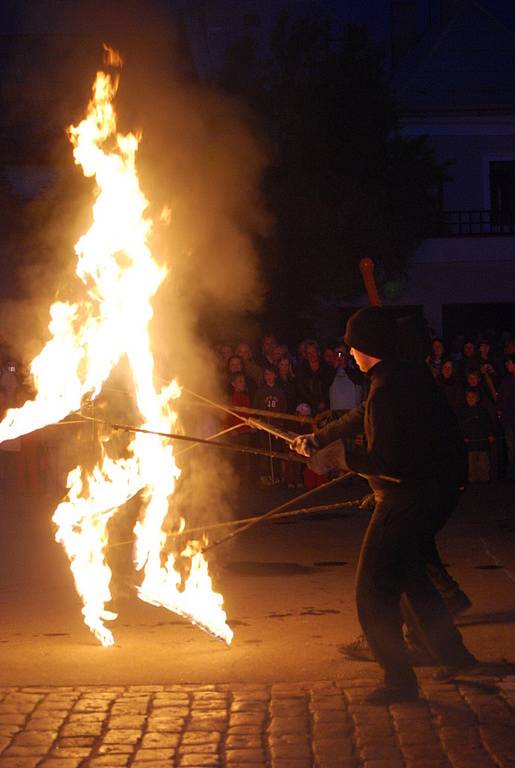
(479, 384)
(476, 375)
(308, 383)
(312, 383)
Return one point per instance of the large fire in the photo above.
(119, 278)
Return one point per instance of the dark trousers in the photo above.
(449, 496)
(392, 564)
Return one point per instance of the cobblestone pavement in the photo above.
(468, 724)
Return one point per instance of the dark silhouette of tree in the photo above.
(342, 183)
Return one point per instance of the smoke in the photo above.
(198, 157)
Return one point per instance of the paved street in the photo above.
(283, 695)
(284, 725)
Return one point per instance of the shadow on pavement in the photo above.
(477, 619)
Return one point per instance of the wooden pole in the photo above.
(366, 267)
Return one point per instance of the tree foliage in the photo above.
(343, 183)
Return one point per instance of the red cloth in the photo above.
(312, 480)
(239, 399)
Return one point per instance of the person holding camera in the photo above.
(345, 392)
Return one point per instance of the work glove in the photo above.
(329, 458)
(306, 445)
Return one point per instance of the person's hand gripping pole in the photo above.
(305, 445)
(321, 460)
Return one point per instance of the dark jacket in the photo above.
(270, 398)
(453, 391)
(476, 426)
(506, 400)
(313, 386)
(411, 432)
(289, 388)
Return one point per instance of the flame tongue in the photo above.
(87, 340)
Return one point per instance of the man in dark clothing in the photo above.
(314, 377)
(414, 461)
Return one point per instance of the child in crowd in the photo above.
(235, 365)
(239, 397)
(474, 380)
(242, 433)
(478, 434)
(270, 397)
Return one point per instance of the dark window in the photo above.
(502, 191)
(471, 319)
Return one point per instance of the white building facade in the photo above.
(459, 89)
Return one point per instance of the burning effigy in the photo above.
(107, 321)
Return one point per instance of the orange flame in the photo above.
(88, 338)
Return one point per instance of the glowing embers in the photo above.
(118, 278)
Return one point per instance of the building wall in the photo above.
(468, 144)
(462, 270)
(472, 270)
(468, 187)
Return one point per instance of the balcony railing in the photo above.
(476, 223)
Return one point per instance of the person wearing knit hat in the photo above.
(415, 461)
(372, 330)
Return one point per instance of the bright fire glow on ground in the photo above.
(119, 278)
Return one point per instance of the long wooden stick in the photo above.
(354, 504)
(205, 441)
(242, 409)
(314, 510)
(276, 510)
